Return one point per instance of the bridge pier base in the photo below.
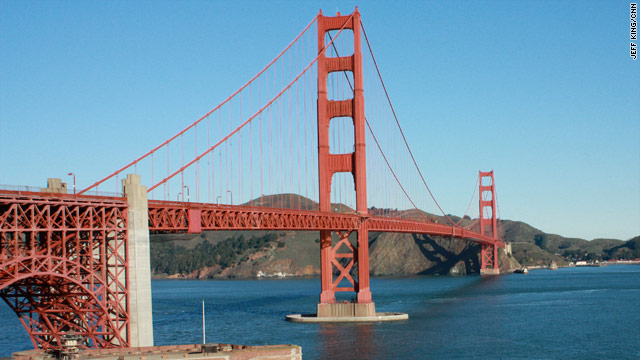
(346, 309)
(139, 277)
(489, 271)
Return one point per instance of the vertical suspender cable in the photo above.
(261, 155)
(182, 172)
(250, 151)
(240, 163)
(197, 165)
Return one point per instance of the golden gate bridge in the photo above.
(295, 148)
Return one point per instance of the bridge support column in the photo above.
(139, 277)
(488, 222)
(364, 294)
(343, 255)
(327, 295)
(489, 260)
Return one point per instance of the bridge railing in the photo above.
(25, 189)
(20, 188)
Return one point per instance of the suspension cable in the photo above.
(206, 115)
(253, 116)
(378, 144)
(399, 127)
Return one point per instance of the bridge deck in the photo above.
(169, 216)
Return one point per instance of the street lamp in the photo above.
(218, 199)
(178, 196)
(231, 192)
(74, 181)
(186, 187)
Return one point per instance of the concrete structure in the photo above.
(489, 271)
(207, 351)
(378, 317)
(508, 249)
(346, 309)
(139, 277)
(55, 185)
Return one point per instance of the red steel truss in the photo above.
(63, 266)
(168, 216)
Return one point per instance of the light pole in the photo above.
(186, 187)
(178, 196)
(218, 199)
(231, 192)
(74, 181)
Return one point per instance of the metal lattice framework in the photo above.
(63, 266)
(166, 216)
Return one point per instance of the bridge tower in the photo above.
(489, 253)
(355, 163)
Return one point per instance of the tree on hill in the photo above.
(170, 259)
(628, 251)
(541, 241)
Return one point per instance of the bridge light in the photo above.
(74, 181)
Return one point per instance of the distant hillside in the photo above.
(531, 255)
(293, 201)
(242, 254)
(628, 250)
(223, 254)
(555, 247)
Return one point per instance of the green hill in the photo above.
(569, 249)
(628, 250)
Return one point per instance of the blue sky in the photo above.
(543, 92)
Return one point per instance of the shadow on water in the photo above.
(348, 341)
(443, 259)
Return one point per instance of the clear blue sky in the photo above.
(543, 92)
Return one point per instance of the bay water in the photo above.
(571, 313)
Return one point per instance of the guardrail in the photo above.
(33, 189)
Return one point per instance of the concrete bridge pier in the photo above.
(139, 277)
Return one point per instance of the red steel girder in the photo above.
(167, 216)
(174, 217)
(63, 266)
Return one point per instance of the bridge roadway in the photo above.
(171, 216)
(182, 217)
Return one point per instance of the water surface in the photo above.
(587, 313)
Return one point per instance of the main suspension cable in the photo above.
(400, 128)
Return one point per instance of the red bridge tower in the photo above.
(489, 254)
(355, 163)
